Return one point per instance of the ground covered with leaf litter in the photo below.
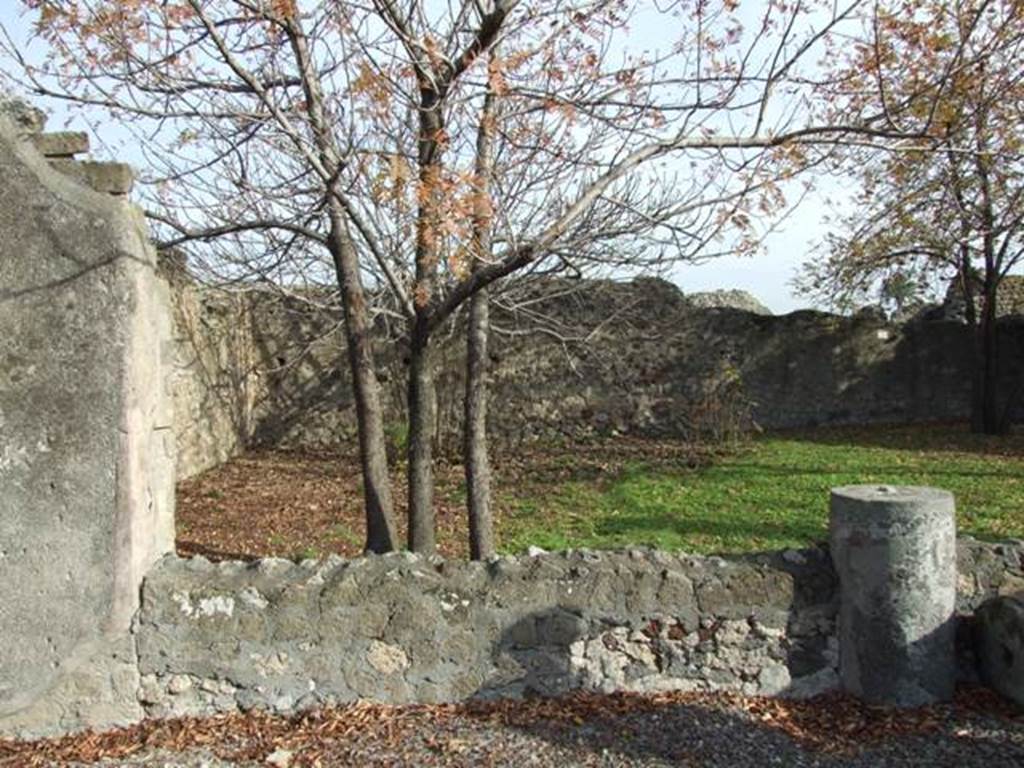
(769, 493)
(308, 503)
(976, 729)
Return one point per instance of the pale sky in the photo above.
(766, 276)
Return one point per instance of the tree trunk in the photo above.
(477, 464)
(475, 459)
(421, 398)
(422, 536)
(381, 535)
(975, 323)
(988, 418)
(987, 397)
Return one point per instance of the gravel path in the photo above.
(608, 732)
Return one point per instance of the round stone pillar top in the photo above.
(900, 494)
(888, 503)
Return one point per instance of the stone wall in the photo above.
(86, 447)
(215, 376)
(1009, 297)
(255, 368)
(397, 628)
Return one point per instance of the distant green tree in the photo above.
(899, 293)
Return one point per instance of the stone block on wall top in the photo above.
(61, 143)
(109, 178)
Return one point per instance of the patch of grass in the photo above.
(344, 534)
(455, 494)
(307, 553)
(771, 494)
(397, 436)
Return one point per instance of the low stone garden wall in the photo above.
(398, 628)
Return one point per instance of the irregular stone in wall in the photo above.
(999, 645)
(728, 299)
(987, 570)
(26, 118)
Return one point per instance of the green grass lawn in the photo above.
(770, 494)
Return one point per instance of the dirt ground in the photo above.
(309, 503)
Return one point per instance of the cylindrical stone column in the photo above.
(894, 550)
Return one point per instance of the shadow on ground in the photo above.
(570, 728)
(704, 735)
(932, 437)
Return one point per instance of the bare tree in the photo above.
(366, 131)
